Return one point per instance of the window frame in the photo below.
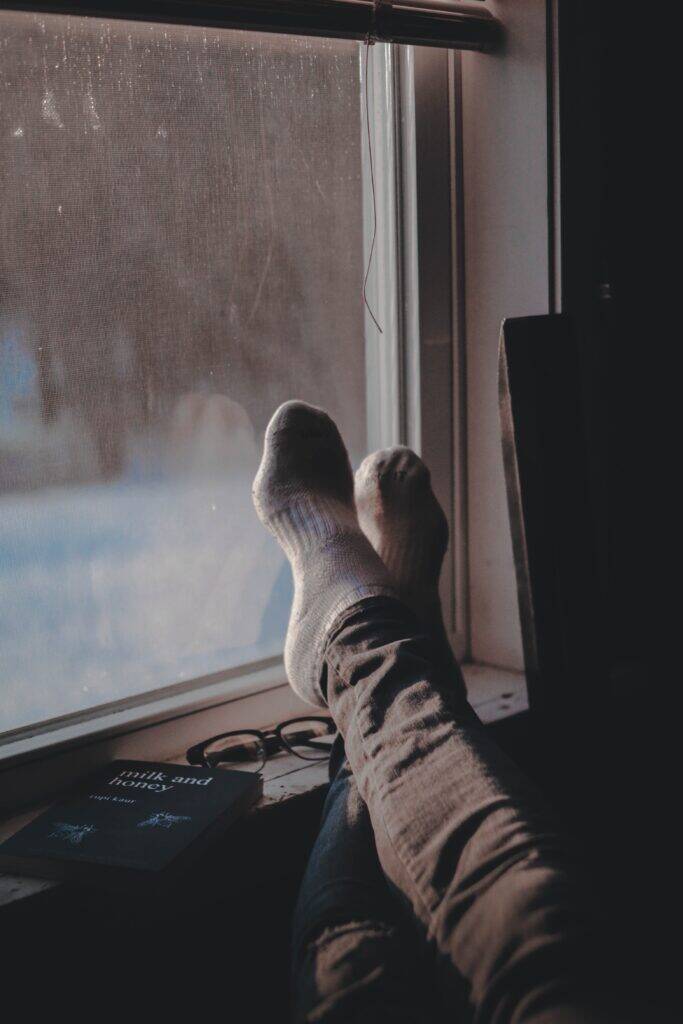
(415, 367)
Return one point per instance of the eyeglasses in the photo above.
(310, 739)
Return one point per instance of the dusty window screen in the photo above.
(180, 251)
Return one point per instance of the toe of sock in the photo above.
(297, 415)
(303, 454)
(393, 469)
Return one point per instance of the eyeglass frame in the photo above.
(195, 756)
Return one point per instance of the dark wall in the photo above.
(612, 110)
(598, 74)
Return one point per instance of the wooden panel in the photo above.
(550, 509)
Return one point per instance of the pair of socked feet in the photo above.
(382, 533)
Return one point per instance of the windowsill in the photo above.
(143, 711)
(495, 693)
(38, 767)
(156, 729)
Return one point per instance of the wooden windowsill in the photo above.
(288, 784)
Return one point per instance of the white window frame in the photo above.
(443, 185)
(413, 368)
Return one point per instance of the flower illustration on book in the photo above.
(73, 834)
(163, 820)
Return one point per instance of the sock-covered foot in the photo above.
(403, 520)
(303, 493)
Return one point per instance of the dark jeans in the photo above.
(440, 882)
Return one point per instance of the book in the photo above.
(130, 822)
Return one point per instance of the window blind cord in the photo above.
(369, 41)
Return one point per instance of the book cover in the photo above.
(130, 821)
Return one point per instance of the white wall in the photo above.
(506, 274)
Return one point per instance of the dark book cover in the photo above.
(132, 820)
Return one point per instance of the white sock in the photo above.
(403, 520)
(303, 493)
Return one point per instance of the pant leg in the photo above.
(459, 831)
(356, 958)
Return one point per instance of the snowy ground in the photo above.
(115, 589)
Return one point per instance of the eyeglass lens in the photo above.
(308, 738)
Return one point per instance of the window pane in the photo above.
(180, 251)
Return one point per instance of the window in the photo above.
(182, 246)
(186, 221)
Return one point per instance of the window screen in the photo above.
(181, 246)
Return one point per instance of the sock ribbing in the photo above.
(303, 493)
(407, 527)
